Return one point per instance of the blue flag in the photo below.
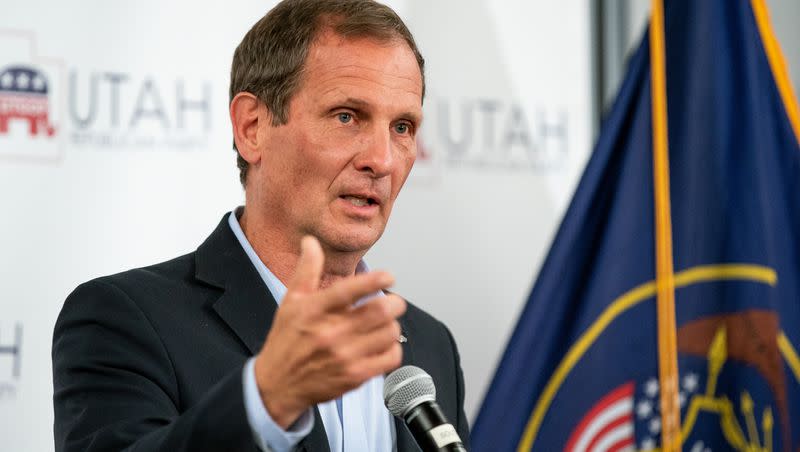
(672, 289)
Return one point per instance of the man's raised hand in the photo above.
(320, 345)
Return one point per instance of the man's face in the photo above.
(335, 168)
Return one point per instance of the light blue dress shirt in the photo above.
(360, 423)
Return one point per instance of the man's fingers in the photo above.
(308, 272)
(377, 341)
(345, 292)
(377, 312)
(384, 362)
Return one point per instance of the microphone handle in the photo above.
(431, 430)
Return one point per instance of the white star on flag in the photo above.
(699, 446)
(690, 382)
(643, 409)
(651, 387)
(655, 425)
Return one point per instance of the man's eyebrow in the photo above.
(360, 103)
(415, 117)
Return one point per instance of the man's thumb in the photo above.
(308, 272)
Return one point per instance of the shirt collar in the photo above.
(275, 286)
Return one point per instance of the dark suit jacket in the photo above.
(151, 359)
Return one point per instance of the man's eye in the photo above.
(344, 118)
(401, 128)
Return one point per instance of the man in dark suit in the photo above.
(273, 335)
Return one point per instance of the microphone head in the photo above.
(406, 388)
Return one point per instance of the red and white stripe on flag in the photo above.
(608, 426)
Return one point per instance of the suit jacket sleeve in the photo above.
(115, 387)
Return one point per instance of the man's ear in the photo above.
(248, 116)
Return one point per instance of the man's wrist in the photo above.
(284, 412)
(283, 416)
(268, 434)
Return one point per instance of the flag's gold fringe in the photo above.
(777, 64)
(695, 275)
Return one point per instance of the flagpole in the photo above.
(665, 277)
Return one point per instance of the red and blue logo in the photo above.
(24, 97)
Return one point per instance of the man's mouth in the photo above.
(359, 201)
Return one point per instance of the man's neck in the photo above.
(281, 253)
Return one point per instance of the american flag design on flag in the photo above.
(608, 426)
(648, 412)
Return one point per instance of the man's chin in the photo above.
(351, 241)
(351, 246)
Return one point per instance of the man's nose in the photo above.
(376, 155)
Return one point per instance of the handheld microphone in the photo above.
(409, 393)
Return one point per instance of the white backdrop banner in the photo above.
(115, 152)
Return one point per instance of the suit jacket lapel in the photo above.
(246, 305)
